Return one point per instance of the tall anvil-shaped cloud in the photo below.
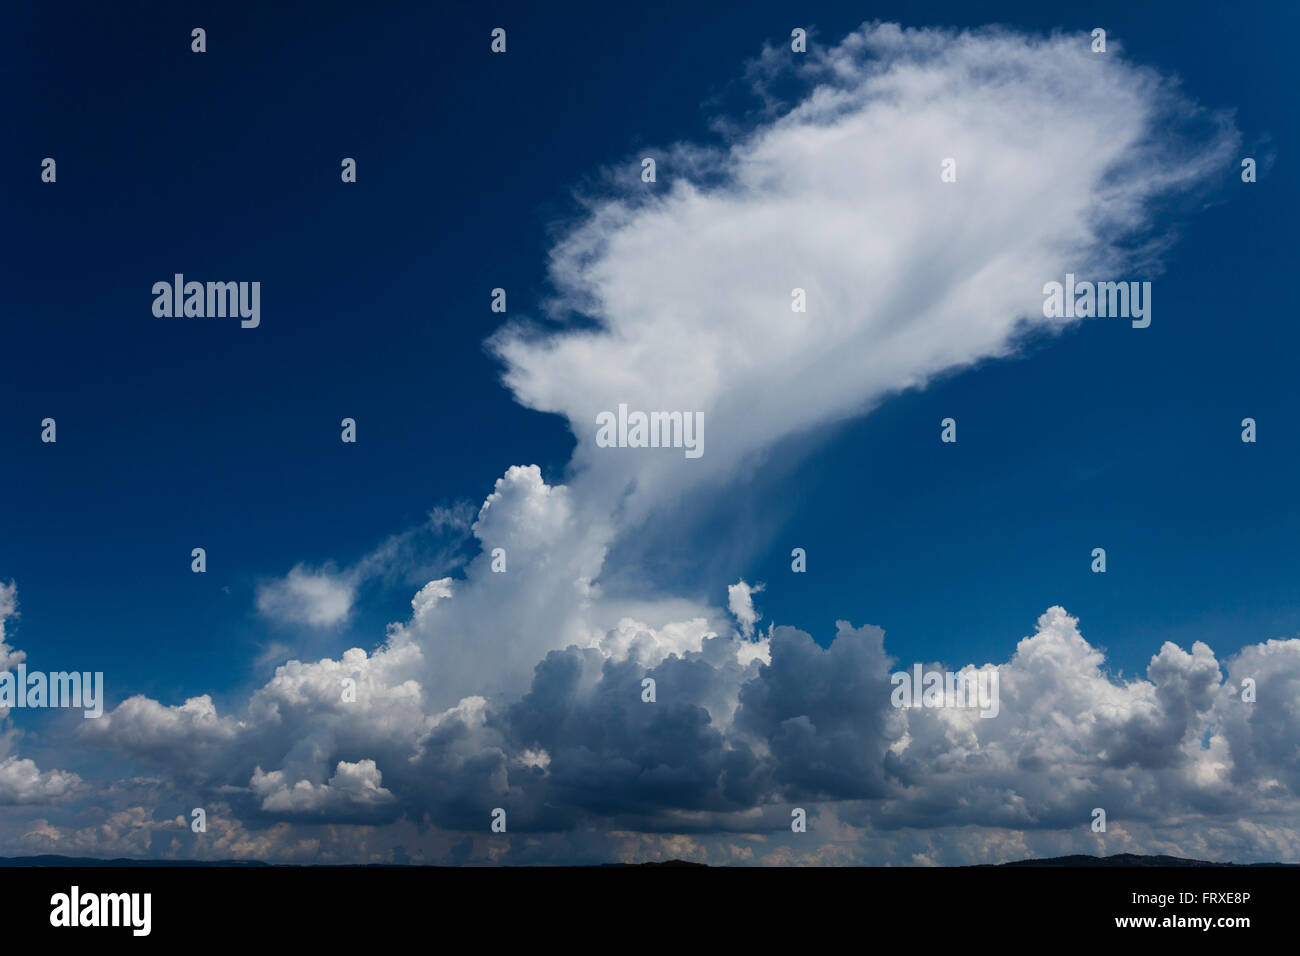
(1060, 154)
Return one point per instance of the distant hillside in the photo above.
(1130, 859)
(1120, 859)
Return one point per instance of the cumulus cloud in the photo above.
(9, 657)
(182, 737)
(318, 598)
(355, 788)
(740, 601)
(22, 782)
(733, 741)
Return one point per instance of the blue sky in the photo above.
(175, 434)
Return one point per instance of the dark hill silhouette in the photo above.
(1078, 860)
(1129, 859)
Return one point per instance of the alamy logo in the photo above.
(59, 689)
(212, 300)
(652, 430)
(1084, 300)
(971, 688)
(103, 909)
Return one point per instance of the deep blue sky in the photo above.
(177, 434)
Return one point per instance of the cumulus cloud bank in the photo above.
(1180, 760)
(524, 690)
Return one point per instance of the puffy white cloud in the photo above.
(10, 657)
(1261, 738)
(185, 737)
(355, 788)
(22, 782)
(740, 601)
(319, 598)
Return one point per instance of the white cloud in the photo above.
(354, 786)
(1059, 153)
(740, 601)
(22, 782)
(318, 598)
(324, 597)
(186, 737)
(9, 657)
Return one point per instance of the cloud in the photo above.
(320, 598)
(324, 597)
(733, 741)
(684, 287)
(9, 657)
(523, 688)
(126, 832)
(740, 601)
(355, 788)
(185, 738)
(22, 782)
